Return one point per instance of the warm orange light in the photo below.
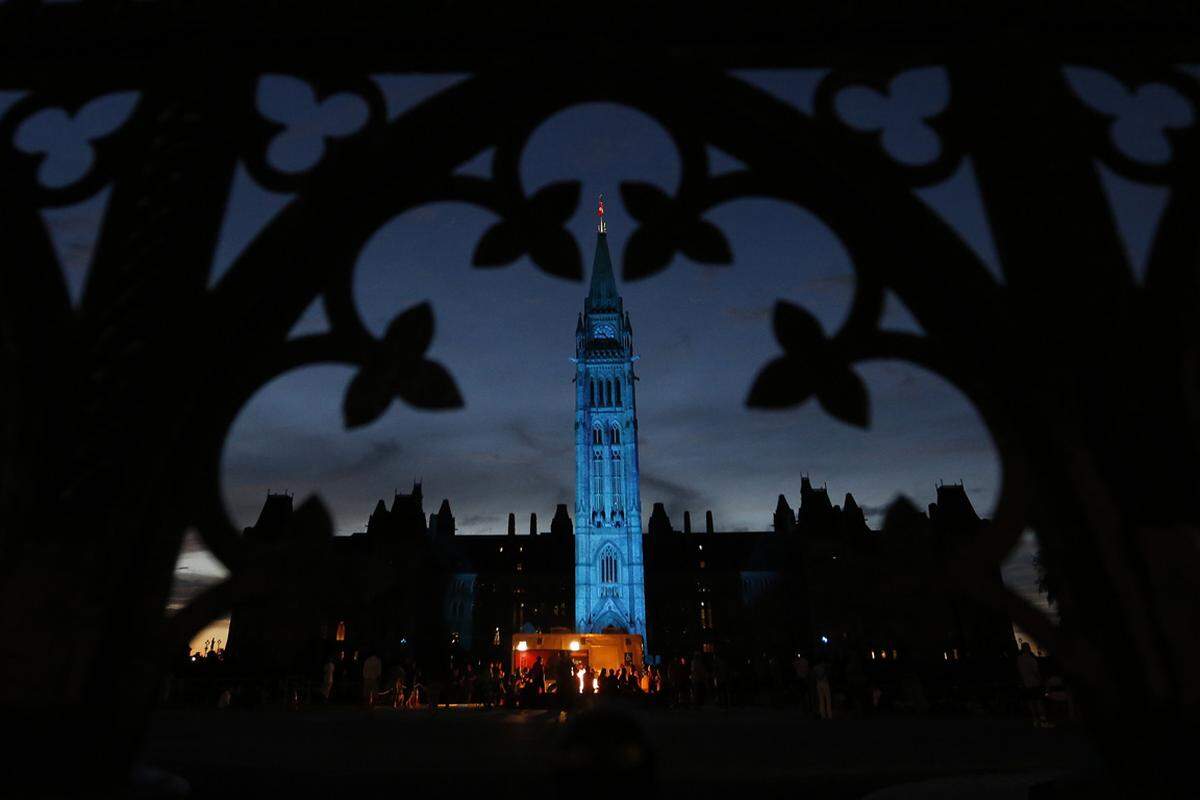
(574, 646)
(522, 647)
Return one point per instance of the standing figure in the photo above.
(372, 669)
(824, 691)
(327, 673)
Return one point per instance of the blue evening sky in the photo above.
(703, 332)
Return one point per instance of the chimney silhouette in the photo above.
(708, 522)
(512, 524)
(660, 523)
(533, 524)
(561, 526)
(687, 522)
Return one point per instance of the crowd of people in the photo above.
(825, 684)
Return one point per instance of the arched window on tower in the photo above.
(616, 435)
(597, 437)
(608, 568)
(608, 393)
(592, 401)
(618, 478)
(618, 389)
(597, 479)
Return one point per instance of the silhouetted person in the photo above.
(801, 671)
(677, 676)
(721, 678)
(824, 691)
(699, 680)
(604, 753)
(537, 676)
(414, 692)
(563, 683)
(327, 673)
(399, 683)
(372, 669)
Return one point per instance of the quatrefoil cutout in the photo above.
(65, 141)
(900, 113)
(1140, 117)
(307, 121)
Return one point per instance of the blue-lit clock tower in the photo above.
(609, 578)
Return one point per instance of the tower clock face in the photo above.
(604, 332)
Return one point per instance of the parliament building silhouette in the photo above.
(411, 587)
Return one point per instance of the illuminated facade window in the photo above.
(617, 479)
(608, 568)
(340, 635)
(598, 479)
(706, 621)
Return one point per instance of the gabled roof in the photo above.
(275, 517)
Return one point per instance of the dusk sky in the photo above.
(703, 332)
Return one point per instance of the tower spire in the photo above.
(603, 295)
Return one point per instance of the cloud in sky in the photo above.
(675, 497)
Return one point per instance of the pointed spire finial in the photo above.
(600, 213)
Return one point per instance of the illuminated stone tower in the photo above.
(609, 582)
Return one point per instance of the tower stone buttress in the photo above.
(609, 575)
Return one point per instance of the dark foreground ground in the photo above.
(616, 753)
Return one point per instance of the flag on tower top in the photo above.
(600, 214)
